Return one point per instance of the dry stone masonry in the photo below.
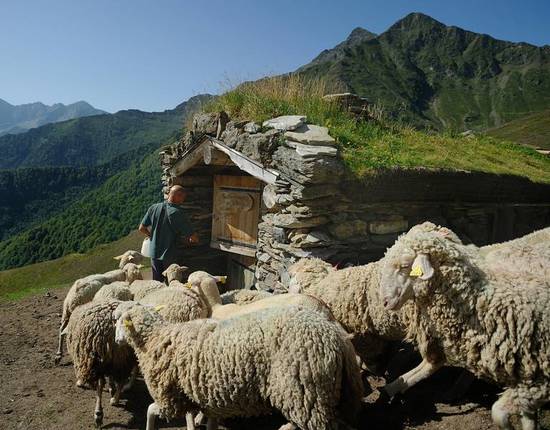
(316, 207)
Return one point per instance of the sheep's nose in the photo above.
(386, 303)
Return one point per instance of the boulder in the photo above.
(312, 150)
(285, 122)
(349, 229)
(292, 221)
(252, 128)
(309, 134)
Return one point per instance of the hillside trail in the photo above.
(36, 394)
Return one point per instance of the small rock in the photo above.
(285, 122)
(252, 127)
(313, 150)
(310, 134)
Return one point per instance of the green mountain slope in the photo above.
(30, 195)
(531, 130)
(62, 272)
(92, 140)
(20, 118)
(102, 215)
(430, 74)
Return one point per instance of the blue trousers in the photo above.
(157, 267)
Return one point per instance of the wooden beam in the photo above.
(212, 156)
(189, 159)
(247, 164)
(236, 249)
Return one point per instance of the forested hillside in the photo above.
(99, 216)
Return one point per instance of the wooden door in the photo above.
(236, 213)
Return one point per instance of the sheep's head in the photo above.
(175, 272)
(132, 321)
(132, 271)
(409, 266)
(307, 272)
(129, 256)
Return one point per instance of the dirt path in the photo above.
(36, 394)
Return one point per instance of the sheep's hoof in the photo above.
(57, 359)
(98, 416)
(114, 401)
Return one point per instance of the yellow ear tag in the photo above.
(222, 279)
(159, 307)
(416, 271)
(127, 323)
(187, 285)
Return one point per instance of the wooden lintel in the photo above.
(247, 164)
(236, 249)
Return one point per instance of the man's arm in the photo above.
(144, 230)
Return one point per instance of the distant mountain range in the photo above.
(20, 118)
(433, 75)
(92, 140)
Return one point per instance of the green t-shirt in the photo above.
(166, 227)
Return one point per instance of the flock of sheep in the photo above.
(247, 353)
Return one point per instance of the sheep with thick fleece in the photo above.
(494, 324)
(241, 297)
(83, 291)
(208, 289)
(129, 256)
(289, 359)
(119, 290)
(96, 356)
(177, 303)
(307, 272)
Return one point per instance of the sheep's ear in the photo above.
(422, 268)
(184, 268)
(130, 258)
(165, 273)
(118, 257)
(139, 266)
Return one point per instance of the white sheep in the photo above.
(96, 356)
(307, 272)
(242, 297)
(210, 294)
(289, 359)
(141, 288)
(177, 303)
(494, 324)
(129, 257)
(83, 291)
(119, 290)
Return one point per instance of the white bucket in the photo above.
(146, 247)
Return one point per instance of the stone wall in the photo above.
(318, 208)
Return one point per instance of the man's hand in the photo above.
(144, 230)
(194, 239)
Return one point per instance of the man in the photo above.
(166, 224)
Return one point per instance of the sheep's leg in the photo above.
(198, 418)
(153, 412)
(98, 413)
(115, 394)
(529, 420)
(131, 380)
(212, 424)
(60, 342)
(500, 413)
(189, 422)
(424, 370)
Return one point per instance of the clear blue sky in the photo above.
(154, 54)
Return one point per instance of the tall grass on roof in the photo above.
(368, 146)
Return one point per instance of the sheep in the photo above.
(494, 324)
(241, 297)
(141, 288)
(307, 272)
(129, 257)
(119, 290)
(177, 303)
(95, 355)
(290, 359)
(83, 291)
(207, 288)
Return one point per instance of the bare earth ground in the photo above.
(36, 394)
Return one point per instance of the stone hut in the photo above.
(263, 196)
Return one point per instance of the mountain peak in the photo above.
(415, 20)
(360, 34)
